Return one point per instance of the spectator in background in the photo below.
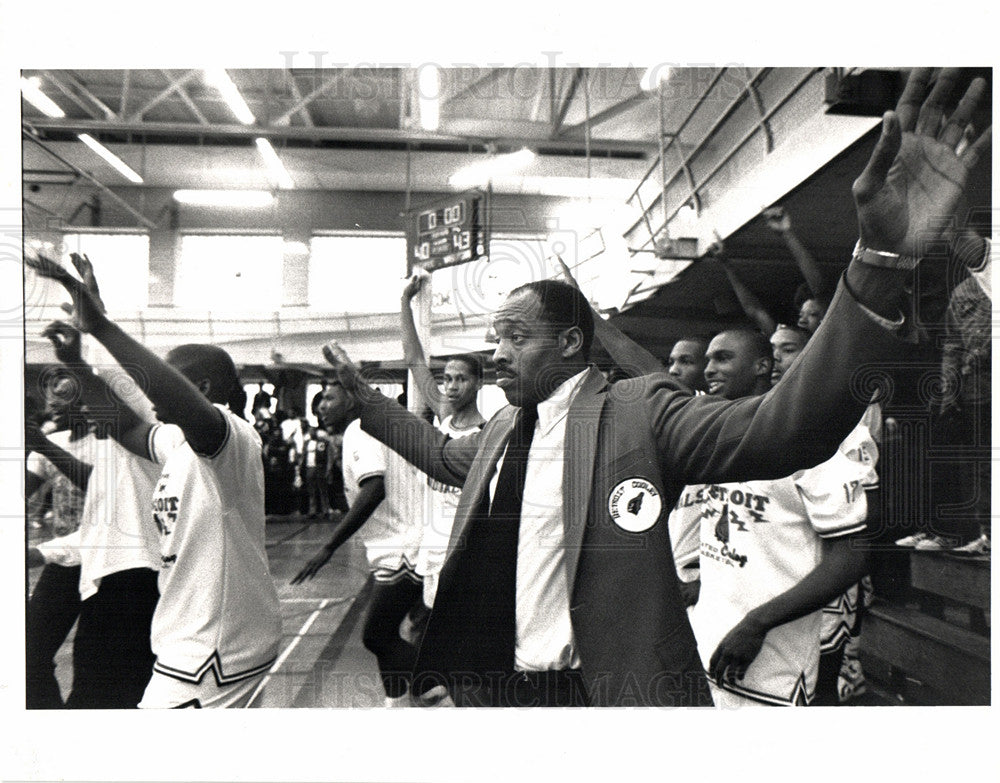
(314, 446)
(966, 370)
(812, 300)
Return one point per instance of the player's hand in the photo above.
(86, 271)
(313, 566)
(737, 651)
(414, 284)
(88, 314)
(347, 371)
(915, 178)
(65, 340)
(777, 219)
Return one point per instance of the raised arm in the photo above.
(72, 468)
(446, 459)
(912, 184)
(748, 300)
(371, 493)
(130, 430)
(779, 221)
(626, 352)
(203, 425)
(413, 352)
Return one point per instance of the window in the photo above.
(357, 274)
(121, 266)
(227, 272)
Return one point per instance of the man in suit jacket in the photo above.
(599, 619)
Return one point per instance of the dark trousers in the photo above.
(390, 603)
(51, 612)
(112, 658)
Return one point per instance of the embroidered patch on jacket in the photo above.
(635, 505)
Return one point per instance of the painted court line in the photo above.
(288, 650)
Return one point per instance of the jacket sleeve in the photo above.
(442, 458)
(797, 424)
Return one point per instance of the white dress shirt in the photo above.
(544, 634)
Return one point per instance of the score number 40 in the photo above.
(460, 240)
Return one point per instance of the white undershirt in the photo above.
(544, 632)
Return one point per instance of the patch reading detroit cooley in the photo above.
(635, 505)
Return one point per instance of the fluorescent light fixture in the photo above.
(113, 160)
(496, 166)
(429, 91)
(224, 198)
(219, 79)
(31, 89)
(278, 172)
(654, 76)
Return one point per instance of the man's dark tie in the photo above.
(472, 626)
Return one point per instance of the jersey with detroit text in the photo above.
(759, 539)
(218, 608)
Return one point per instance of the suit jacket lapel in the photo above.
(477, 483)
(581, 447)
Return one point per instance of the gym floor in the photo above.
(322, 662)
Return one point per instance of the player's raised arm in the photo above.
(131, 430)
(169, 391)
(413, 351)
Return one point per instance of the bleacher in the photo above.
(930, 644)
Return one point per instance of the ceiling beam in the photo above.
(65, 90)
(187, 100)
(365, 135)
(92, 179)
(126, 86)
(303, 102)
(603, 116)
(75, 80)
(304, 111)
(164, 94)
(488, 78)
(560, 115)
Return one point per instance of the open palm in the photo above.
(915, 178)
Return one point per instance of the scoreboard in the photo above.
(451, 232)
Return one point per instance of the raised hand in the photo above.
(915, 177)
(88, 313)
(86, 271)
(347, 371)
(414, 284)
(65, 340)
(777, 219)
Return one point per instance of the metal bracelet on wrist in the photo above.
(884, 259)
